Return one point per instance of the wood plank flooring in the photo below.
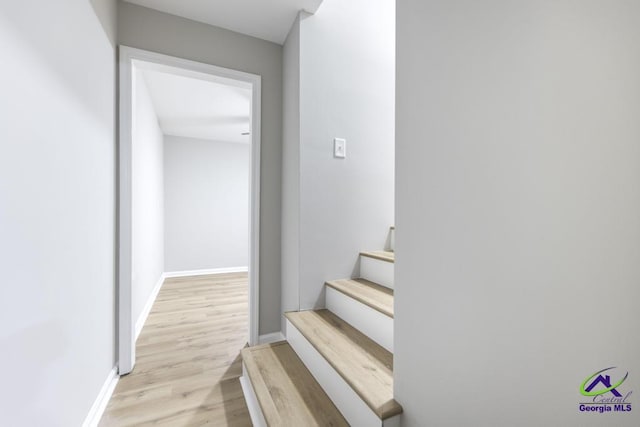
(188, 358)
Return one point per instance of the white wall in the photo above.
(57, 209)
(290, 263)
(206, 204)
(347, 87)
(147, 222)
(159, 32)
(518, 209)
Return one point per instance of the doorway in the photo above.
(132, 62)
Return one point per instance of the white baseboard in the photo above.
(269, 338)
(100, 404)
(147, 307)
(206, 271)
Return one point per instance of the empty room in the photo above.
(190, 166)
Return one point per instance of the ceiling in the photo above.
(196, 108)
(266, 19)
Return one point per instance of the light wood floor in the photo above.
(188, 358)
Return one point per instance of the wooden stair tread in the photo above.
(376, 296)
(362, 363)
(380, 255)
(287, 392)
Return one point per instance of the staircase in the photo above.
(336, 367)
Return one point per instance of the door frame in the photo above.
(128, 59)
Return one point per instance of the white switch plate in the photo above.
(339, 148)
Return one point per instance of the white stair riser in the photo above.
(255, 412)
(372, 323)
(352, 407)
(392, 239)
(392, 422)
(378, 271)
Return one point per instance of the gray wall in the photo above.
(57, 209)
(147, 252)
(290, 264)
(518, 209)
(347, 89)
(159, 32)
(206, 189)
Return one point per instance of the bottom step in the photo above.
(353, 370)
(287, 393)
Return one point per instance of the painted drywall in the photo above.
(290, 266)
(213, 111)
(159, 32)
(147, 220)
(268, 20)
(518, 210)
(206, 189)
(347, 90)
(57, 209)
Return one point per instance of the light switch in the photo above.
(339, 148)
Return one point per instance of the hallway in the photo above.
(188, 357)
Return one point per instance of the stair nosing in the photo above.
(384, 411)
(334, 285)
(380, 257)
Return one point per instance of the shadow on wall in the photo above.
(55, 47)
(106, 11)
